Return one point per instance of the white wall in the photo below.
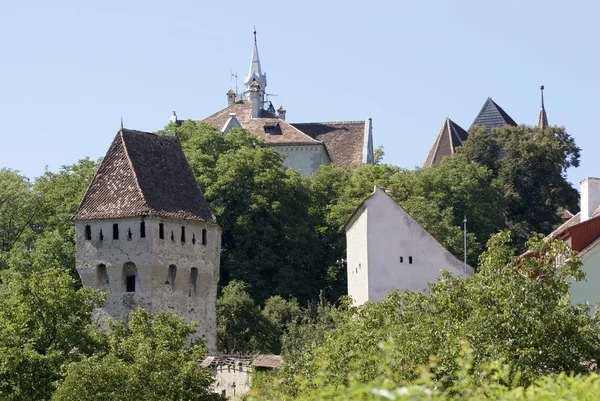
(357, 264)
(152, 257)
(233, 380)
(588, 290)
(392, 234)
(307, 159)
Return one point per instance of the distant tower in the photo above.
(255, 74)
(542, 118)
(146, 235)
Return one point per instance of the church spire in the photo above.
(542, 118)
(255, 73)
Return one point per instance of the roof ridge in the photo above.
(331, 122)
(135, 176)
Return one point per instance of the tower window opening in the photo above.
(129, 233)
(101, 237)
(88, 232)
(171, 275)
(401, 259)
(193, 280)
(204, 236)
(142, 229)
(102, 280)
(129, 277)
(161, 231)
(172, 236)
(194, 238)
(182, 234)
(410, 260)
(115, 231)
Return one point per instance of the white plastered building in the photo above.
(388, 250)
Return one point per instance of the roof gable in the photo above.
(144, 174)
(492, 116)
(451, 136)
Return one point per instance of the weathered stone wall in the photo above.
(155, 289)
(231, 381)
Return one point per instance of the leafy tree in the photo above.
(147, 359)
(269, 240)
(42, 319)
(515, 311)
(529, 167)
(281, 314)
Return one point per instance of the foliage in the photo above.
(529, 167)
(147, 359)
(262, 207)
(514, 311)
(42, 318)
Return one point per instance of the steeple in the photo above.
(542, 118)
(255, 73)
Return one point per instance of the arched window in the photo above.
(102, 281)
(204, 236)
(88, 232)
(130, 280)
(171, 275)
(193, 281)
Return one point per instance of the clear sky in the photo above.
(69, 70)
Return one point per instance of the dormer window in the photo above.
(272, 128)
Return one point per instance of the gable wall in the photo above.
(393, 234)
(357, 263)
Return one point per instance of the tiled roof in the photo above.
(286, 134)
(226, 360)
(492, 116)
(144, 174)
(344, 140)
(451, 136)
(268, 362)
(576, 219)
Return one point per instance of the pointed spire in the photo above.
(542, 118)
(255, 72)
(121, 122)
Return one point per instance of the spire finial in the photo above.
(254, 34)
(542, 118)
(121, 122)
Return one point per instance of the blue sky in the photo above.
(69, 70)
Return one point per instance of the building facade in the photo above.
(387, 250)
(146, 236)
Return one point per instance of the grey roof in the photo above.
(144, 174)
(268, 362)
(451, 136)
(226, 360)
(493, 116)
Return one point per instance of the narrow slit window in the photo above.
(194, 238)
(204, 236)
(172, 236)
(401, 259)
(115, 231)
(410, 260)
(161, 231)
(193, 281)
(101, 237)
(143, 229)
(171, 275)
(129, 233)
(88, 232)
(182, 234)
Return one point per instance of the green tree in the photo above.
(42, 319)
(147, 359)
(529, 167)
(281, 314)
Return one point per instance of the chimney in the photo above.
(230, 97)
(173, 118)
(590, 197)
(281, 113)
(255, 99)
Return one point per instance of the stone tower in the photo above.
(146, 236)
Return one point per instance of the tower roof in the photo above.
(255, 73)
(542, 117)
(451, 136)
(493, 116)
(144, 174)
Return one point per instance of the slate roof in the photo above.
(286, 134)
(144, 174)
(492, 116)
(268, 362)
(451, 136)
(344, 140)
